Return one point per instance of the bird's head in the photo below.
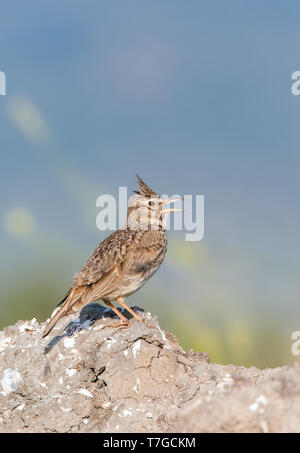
(147, 210)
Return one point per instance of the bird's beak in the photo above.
(171, 210)
(172, 200)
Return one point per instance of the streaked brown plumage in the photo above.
(124, 261)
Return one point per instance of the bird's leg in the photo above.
(125, 322)
(120, 301)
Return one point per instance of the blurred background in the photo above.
(196, 98)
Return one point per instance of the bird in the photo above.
(124, 261)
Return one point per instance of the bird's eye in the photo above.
(151, 203)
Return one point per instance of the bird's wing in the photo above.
(123, 252)
(143, 252)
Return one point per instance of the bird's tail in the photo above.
(71, 298)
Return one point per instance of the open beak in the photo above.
(172, 200)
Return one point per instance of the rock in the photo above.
(92, 377)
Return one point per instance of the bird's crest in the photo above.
(144, 189)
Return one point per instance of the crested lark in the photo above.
(124, 261)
